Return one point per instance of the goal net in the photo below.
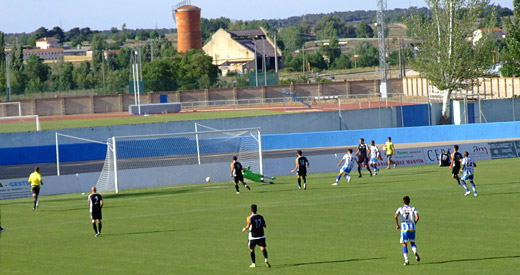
(169, 159)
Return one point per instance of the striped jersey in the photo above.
(408, 214)
(468, 165)
(374, 152)
(349, 159)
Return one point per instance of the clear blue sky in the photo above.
(28, 15)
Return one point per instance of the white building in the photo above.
(47, 43)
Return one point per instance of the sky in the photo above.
(18, 16)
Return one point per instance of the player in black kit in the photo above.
(362, 155)
(95, 201)
(256, 224)
(302, 164)
(236, 173)
(456, 157)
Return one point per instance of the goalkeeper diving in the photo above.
(248, 174)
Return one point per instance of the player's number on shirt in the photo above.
(96, 200)
(258, 223)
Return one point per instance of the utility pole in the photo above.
(303, 59)
(103, 65)
(151, 48)
(275, 54)
(256, 65)
(8, 78)
(264, 66)
(383, 87)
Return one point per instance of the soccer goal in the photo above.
(22, 119)
(168, 159)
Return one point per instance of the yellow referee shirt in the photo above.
(389, 148)
(35, 179)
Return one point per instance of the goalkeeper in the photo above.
(248, 174)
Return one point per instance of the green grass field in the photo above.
(108, 121)
(195, 229)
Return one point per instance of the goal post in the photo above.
(22, 119)
(18, 104)
(167, 159)
(69, 137)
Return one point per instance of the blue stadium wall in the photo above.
(91, 151)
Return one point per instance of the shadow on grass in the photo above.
(329, 262)
(474, 259)
(147, 232)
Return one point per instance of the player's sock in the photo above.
(253, 257)
(359, 170)
(370, 171)
(474, 188)
(405, 253)
(35, 200)
(414, 249)
(465, 186)
(94, 226)
(304, 179)
(99, 227)
(458, 179)
(299, 182)
(265, 253)
(339, 177)
(236, 187)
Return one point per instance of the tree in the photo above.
(98, 46)
(292, 37)
(445, 57)
(512, 49)
(363, 30)
(332, 50)
(343, 62)
(329, 26)
(368, 55)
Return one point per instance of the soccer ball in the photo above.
(384, 148)
(208, 179)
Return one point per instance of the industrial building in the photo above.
(234, 51)
(187, 18)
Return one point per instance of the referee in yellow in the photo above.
(36, 180)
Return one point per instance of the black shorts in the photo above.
(302, 173)
(255, 242)
(455, 170)
(95, 214)
(239, 178)
(363, 160)
(35, 190)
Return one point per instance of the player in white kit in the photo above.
(467, 165)
(409, 218)
(349, 160)
(374, 156)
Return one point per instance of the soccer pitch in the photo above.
(196, 229)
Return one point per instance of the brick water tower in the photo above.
(187, 18)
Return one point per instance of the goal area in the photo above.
(179, 158)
